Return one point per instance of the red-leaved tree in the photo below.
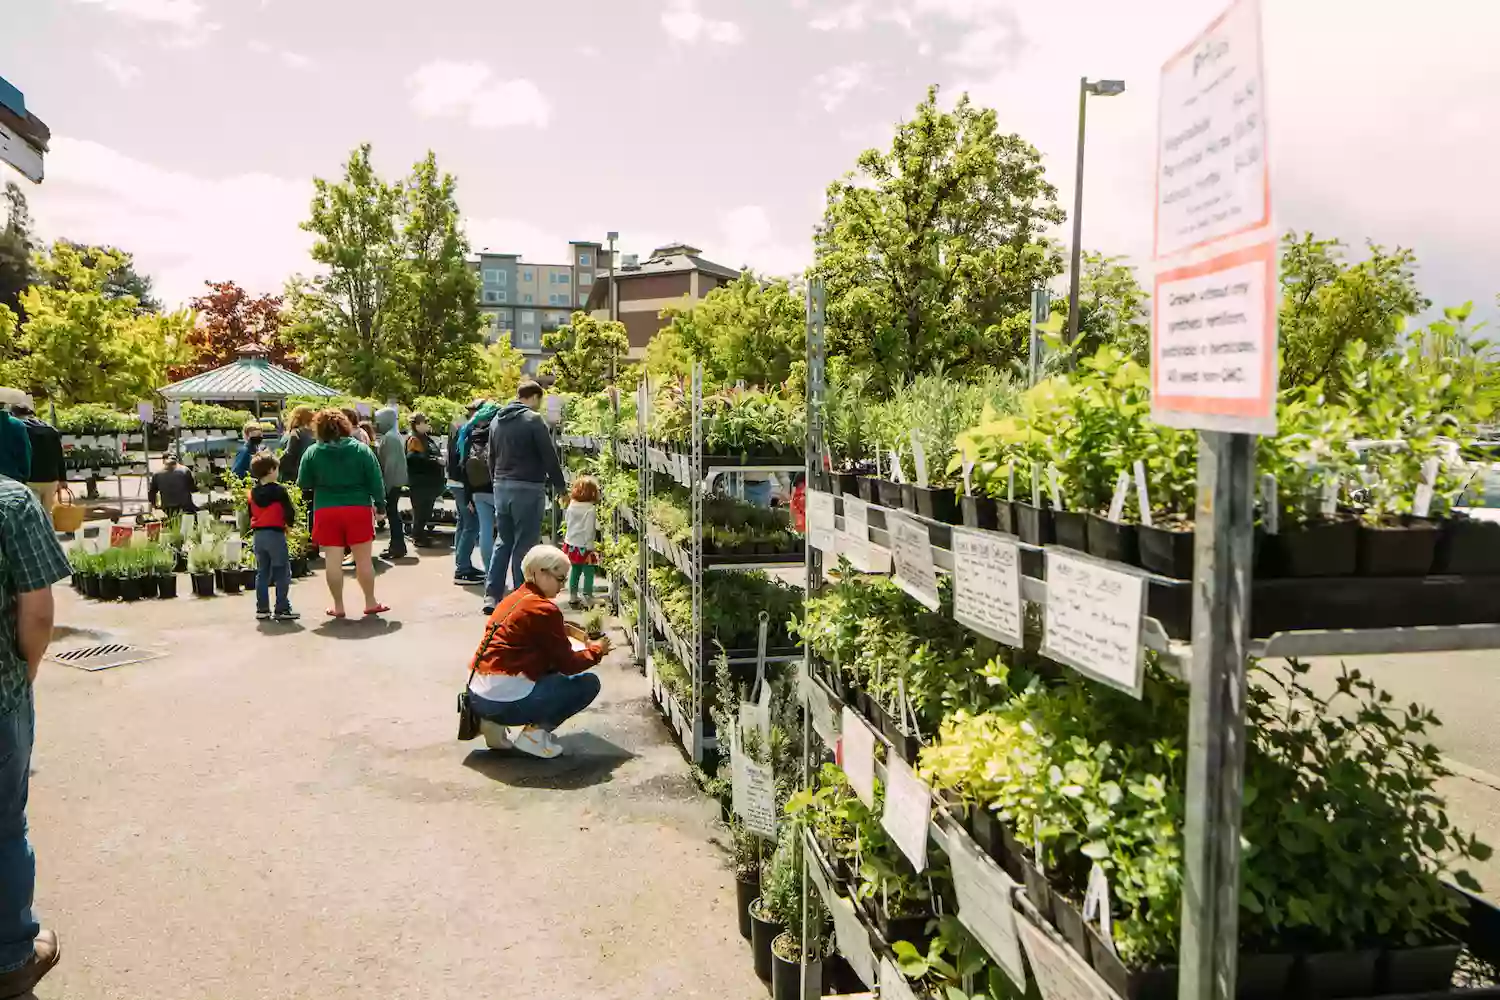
(229, 318)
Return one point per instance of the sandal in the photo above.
(334, 614)
(377, 609)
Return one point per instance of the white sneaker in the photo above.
(496, 736)
(538, 743)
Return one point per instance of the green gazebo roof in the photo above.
(250, 378)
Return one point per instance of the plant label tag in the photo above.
(1092, 619)
(1096, 903)
(896, 476)
(1422, 503)
(1010, 483)
(915, 571)
(893, 985)
(858, 755)
(987, 584)
(1330, 496)
(1270, 512)
(1057, 503)
(1142, 496)
(758, 807)
(853, 940)
(1117, 501)
(821, 522)
(908, 811)
(968, 468)
(1036, 485)
(919, 458)
(984, 906)
(1060, 974)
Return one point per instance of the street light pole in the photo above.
(614, 309)
(1101, 88)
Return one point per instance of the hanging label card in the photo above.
(145, 412)
(984, 906)
(1060, 974)
(1142, 496)
(908, 811)
(919, 458)
(1117, 502)
(821, 522)
(853, 940)
(858, 756)
(821, 711)
(987, 584)
(893, 985)
(915, 571)
(856, 518)
(816, 874)
(757, 806)
(1422, 502)
(1092, 620)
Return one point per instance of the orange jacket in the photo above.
(525, 634)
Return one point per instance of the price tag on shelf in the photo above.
(987, 584)
(853, 940)
(1060, 975)
(857, 755)
(1092, 620)
(893, 985)
(984, 906)
(908, 811)
(912, 551)
(821, 522)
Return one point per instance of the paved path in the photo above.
(283, 812)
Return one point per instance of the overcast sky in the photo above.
(187, 131)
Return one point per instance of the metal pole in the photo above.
(1033, 359)
(816, 376)
(1216, 720)
(695, 478)
(1083, 99)
(643, 501)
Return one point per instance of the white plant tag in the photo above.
(912, 550)
(1057, 503)
(1036, 485)
(984, 906)
(1141, 494)
(968, 475)
(1330, 496)
(1422, 503)
(1117, 502)
(1010, 486)
(896, 475)
(1270, 504)
(1092, 619)
(1096, 904)
(919, 457)
(857, 755)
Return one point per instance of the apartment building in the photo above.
(645, 287)
(522, 300)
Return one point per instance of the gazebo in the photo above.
(251, 378)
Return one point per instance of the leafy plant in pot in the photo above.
(1170, 458)
(1311, 463)
(1006, 448)
(204, 560)
(782, 896)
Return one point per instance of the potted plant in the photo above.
(111, 571)
(747, 852)
(784, 897)
(203, 563)
(1170, 457)
(593, 623)
(1312, 466)
(162, 563)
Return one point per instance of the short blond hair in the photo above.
(546, 559)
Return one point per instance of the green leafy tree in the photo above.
(499, 370)
(438, 311)
(929, 250)
(582, 352)
(1111, 309)
(15, 249)
(743, 330)
(1328, 303)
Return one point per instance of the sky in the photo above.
(189, 131)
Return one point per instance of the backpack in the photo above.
(477, 463)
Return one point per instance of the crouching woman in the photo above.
(527, 671)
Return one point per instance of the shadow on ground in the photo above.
(357, 628)
(590, 760)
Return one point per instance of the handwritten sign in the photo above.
(756, 803)
(1093, 618)
(984, 906)
(174, 413)
(987, 584)
(853, 940)
(857, 755)
(893, 985)
(821, 522)
(145, 412)
(908, 811)
(915, 572)
(1060, 974)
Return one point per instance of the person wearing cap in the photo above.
(46, 453)
(172, 488)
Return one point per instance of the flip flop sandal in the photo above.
(334, 614)
(376, 610)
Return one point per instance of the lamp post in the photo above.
(1099, 88)
(614, 309)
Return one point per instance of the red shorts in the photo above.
(336, 527)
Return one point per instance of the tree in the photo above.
(1111, 310)
(583, 349)
(15, 249)
(229, 318)
(79, 345)
(929, 251)
(438, 310)
(742, 330)
(1328, 303)
(499, 370)
(122, 280)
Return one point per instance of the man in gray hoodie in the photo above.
(522, 461)
(390, 449)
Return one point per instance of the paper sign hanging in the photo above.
(908, 811)
(893, 985)
(819, 709)
(853, 940)
(987, 584)
(1092, 619)
(1060, 974)
(145, 412)
(857, 755)
(984, 906)
(174, 413)
(821, 522)
(912, 551)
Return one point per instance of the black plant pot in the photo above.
(1263, 977)
(228, 580)
(1167, 551)
(745, 890)
(1071, 529)
(786, 975)
(979, 512)
(1069, 922)
(166, 585)
(1005, 517)
(986, 830)
(148, 586)
(1112, 540)
(247, 577)
(1469, 546)
(762, 933)
(130, 588)
(1034, 525)
(1152, 983)
(109, 588)
(76, 582)
(1425, 969)
(1332, 974)
(1324, 548)
(912, 928)
(203, 584)
(1014, 862)
(846, 482)
(866, 487)
(1406, 549)
(181, 566)
(888, 493)
(91, 585)
(299, 566)
(1037, 889)
(936, 502)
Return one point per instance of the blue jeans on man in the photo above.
(18, 927)
(467, 533)
(484, 514)
(519, 505)
(555, 699)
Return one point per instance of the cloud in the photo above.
(124, 73)
(749, 239)
(447, 89)
(835, 85)
(849, 17)
(184, 17)
(292, 60)
(183, 228)
(683, 23)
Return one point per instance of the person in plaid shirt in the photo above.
(31, 561)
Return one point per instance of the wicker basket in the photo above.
(66, 516)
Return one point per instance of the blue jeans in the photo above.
(273, 564)
(467, 533)
(484, 512)
(518, 527)
(18, 926)
(555, 699)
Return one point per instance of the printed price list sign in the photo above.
(908, 811)
(1093, 618)
(912, 551)
(987, 584)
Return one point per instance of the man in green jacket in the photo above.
(344, 479)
